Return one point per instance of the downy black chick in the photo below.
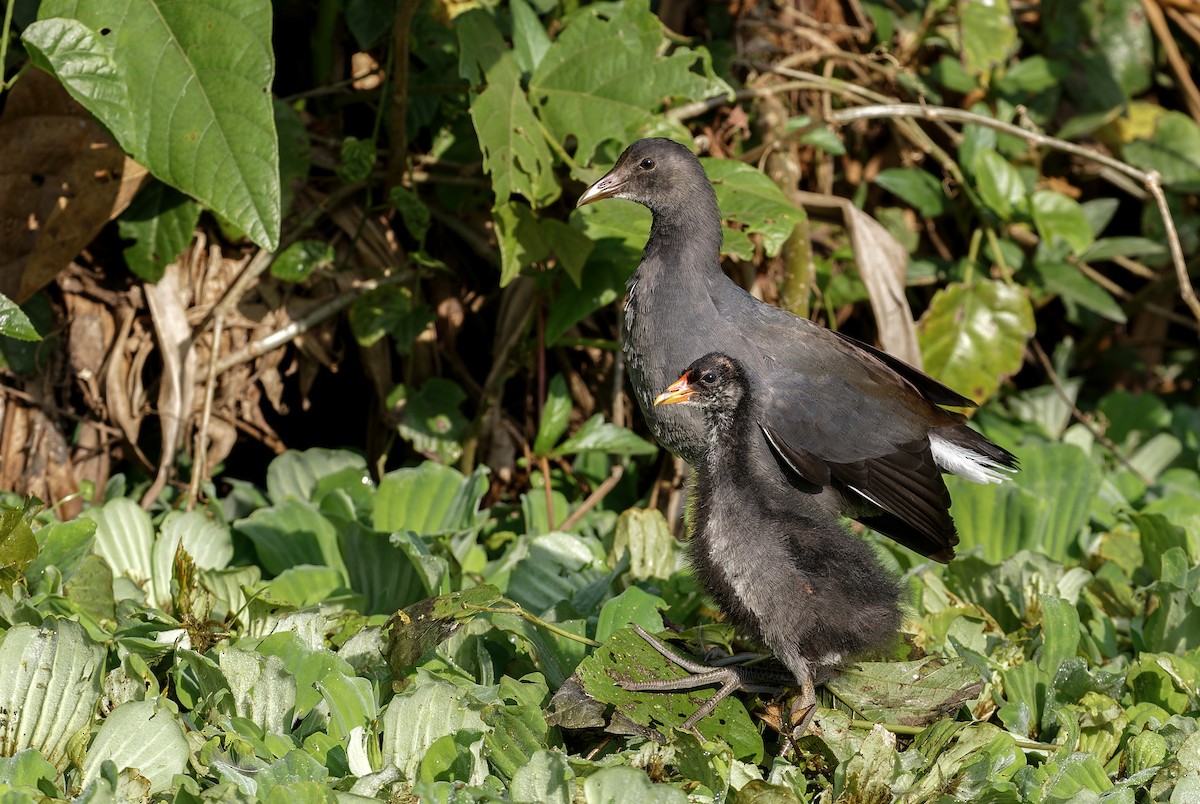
(780, 567)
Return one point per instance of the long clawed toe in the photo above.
(731, 677)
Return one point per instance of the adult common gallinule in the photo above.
(860, 430)
(783, 571)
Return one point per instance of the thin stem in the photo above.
(517, 611)
(200, 454)
(301, 325)
(595, 497)
(8, 14)
(913, 731)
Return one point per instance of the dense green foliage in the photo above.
(454, 630)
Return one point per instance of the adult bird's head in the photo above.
(662, 175)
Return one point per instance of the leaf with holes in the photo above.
(184, 87)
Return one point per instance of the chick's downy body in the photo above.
(783, 573)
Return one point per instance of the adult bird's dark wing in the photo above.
(837, 414)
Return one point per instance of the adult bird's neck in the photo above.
(687, 235)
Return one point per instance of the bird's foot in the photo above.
(731, 677)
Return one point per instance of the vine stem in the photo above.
(913, 731)
(1151, 180)
(518, 611)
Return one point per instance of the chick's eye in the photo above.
(709, 378)
(646, 164)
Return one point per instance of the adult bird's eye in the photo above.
(646, 164)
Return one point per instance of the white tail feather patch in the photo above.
(968, 463)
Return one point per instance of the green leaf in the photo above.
(633, 606)
(1032, 75)
(1107, 248)
(49, 687)
(515, 153)
(429, 709)
(144, 735)
(546, 777)
(289, 534)
(1059, 218)
(14, 323)
(628, 657)
(125, 538)
(1000, 185)
(351, 703)
(556, 415)
(913, 693)
(626, 785)
(413, 212)
(530, 41)
(262, 690)
(1042, 508)
(432, 420)
(18, 547)
(208, 542)
(429, 499)
(393, 311)
(61, 545)
(357, 160)
(185, 89)
(160, 221)
(554, 567)
(300, 259)
(748, 197)
(605, 76)
(296, 474)
(1069, 282)
(973, 336)
(644, 534)
(988, 33)
(917, 188)
(1060, 633)
(1173, 150)
(597, 435)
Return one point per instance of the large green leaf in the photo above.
(606, 74)
(515, 153)
(1043, 507)
(144, 735)
(911, 693)
(628, 657)
(429, 499)
(749, 198)
(1173, 150)
(1000, 185)
(289, 534)
(973, 336)
(625, 785)
(49, 687)
(297, 474)
(1069, 282)
(428, 710)
(597, 435)
(18, 546)
(184, 87)
(917, 188)
(1059, 218)
(988, 32)
(125, 538)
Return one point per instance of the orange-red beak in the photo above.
(678, 391)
